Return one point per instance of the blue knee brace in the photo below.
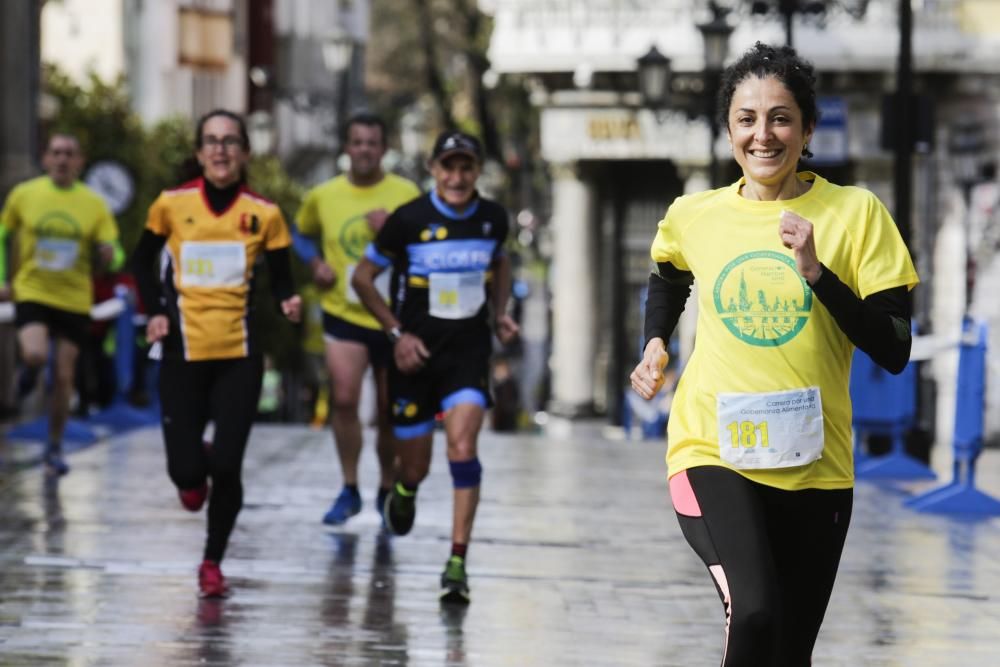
(466, 474)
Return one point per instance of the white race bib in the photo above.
(213, 264)
(779, 429)
(56, 254)
(456, 296)
(381, 284)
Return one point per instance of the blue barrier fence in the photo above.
(885, 405)
(960, 496)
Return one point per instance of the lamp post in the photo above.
(337, 49)
(654, 78)
(654, 74)
(715, 36)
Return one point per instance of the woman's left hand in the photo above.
(292, 308)
(797, 234)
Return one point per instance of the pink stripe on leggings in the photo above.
(727, 601)
(682, 495)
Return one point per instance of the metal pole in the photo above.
(903, 162)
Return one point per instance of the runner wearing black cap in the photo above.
(447, 247)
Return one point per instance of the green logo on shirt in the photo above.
(57, 225)
(762, 299)
(355, 236)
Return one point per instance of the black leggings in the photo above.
(773, 556)
(226, 392)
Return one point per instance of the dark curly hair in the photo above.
(784, 64)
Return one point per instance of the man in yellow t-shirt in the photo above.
(63, 231)
(344, 214)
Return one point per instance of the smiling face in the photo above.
(455, 178)
(223, 153)
(365, 146)
(766, 133)
(63, 160)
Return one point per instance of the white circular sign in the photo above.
(113, 181)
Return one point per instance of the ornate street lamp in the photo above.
(654, 78)
(715, 34)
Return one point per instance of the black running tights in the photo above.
(226, 392)
(773, 556)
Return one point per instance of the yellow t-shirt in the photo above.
(336, 210)
(211, 258)
(760, 328)
(58, 230)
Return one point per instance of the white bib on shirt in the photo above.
(56, 254)
(456, 296)
(213, 264)
(779, 429)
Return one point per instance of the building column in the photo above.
(19, 80)
(19, 72)
(574, 293)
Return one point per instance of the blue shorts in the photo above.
(378, 344)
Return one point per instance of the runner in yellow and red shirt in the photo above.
(212, 229)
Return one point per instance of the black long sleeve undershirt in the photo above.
(879, 325)
(279, 267)
(668, 292)
(143, 265)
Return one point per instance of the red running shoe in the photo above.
(193, 499)
(210, 580)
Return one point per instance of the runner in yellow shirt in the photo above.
(63, 231)
(795, 272)
(344, 214)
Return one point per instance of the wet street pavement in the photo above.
(576, 560)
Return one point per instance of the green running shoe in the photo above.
(454, 582)
(400, 510)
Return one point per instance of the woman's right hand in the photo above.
(647, 378)
(157, 328)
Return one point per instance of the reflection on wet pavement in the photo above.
(576, 560)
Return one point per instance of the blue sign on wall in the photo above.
(829, 141)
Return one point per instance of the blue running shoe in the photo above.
(347, 504)
(55, 465)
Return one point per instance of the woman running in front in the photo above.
(795, 272)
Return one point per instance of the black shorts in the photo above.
(379, 347)
(74, 327)
(454, 376)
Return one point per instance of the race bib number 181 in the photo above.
(779, 429)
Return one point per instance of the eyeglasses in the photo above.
(228, 142)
